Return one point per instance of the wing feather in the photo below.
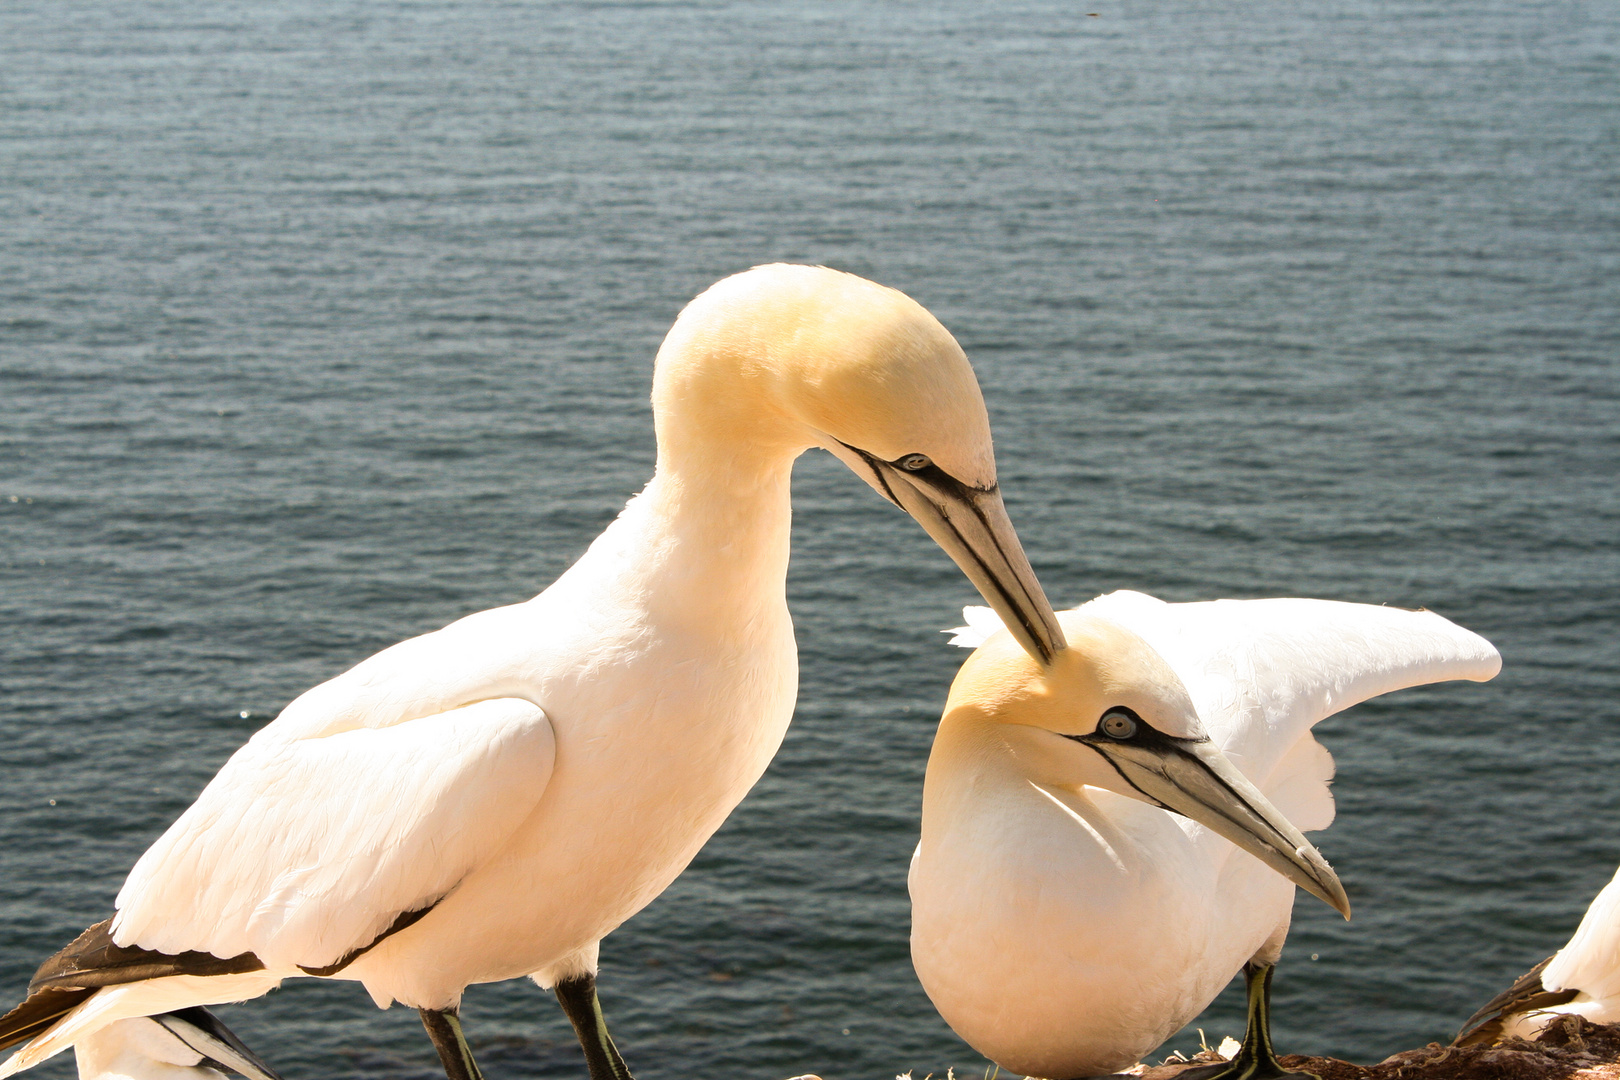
(1262, 673)
(473, 659)
(303, 850)
(1299, 785)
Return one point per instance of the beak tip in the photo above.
(1333, 893)
(1331, 888)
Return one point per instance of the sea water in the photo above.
(325, 323)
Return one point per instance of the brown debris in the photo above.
(1570, 1049)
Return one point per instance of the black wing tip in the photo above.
(93, 960)
(37, 1013)
(64, 960)
(1527, 994)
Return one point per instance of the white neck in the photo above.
(706, 544)
(728, 535)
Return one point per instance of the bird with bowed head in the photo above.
(490, 800)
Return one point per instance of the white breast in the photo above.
(1055, 928)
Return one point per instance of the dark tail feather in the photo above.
(92, 961)
(1526, 995)
(35, 1015)
(203, 1032)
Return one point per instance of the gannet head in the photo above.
(806, 356)
(1109, 712)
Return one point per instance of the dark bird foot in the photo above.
(1255, 1060)
(1236, 1069)
(578, 999)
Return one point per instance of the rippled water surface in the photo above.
(323, 324)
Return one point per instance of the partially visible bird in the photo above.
(187, 1044)
(1581, 979)
(1062, 922)
(490, 800)
(141, 1048)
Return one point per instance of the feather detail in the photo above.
(287, 857)
(982, 622)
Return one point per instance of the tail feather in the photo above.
(104, 1005)
(34, 1016)
(94, 982)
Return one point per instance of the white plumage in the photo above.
(1062, 925)
(525, 779)
(1590, 963)
(139, 1049)
(259, 864)
(1581, 979)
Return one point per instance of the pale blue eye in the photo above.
(913, 462)
(1117, 725)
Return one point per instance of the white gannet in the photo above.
(140, 1049)
(1582, 978)
(490, 800)
(187, 1044)
(1062, 922)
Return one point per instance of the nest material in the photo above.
(1570, 1047)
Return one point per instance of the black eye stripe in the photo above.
(935, 476)
(1145, 737)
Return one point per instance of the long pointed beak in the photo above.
(1194, 779)
(971, 524)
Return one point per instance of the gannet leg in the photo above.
(578, 997)
(203, 1032)
(444, 1028)
(1255, 1060)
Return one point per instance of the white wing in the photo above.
(1263, 672)
(302, 850)
(473, 659)
(1590, 962)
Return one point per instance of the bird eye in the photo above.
(1118, 724)
(913, 462)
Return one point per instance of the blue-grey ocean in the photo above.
(326, 322)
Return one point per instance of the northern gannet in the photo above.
(1062, 922)
(1581, 979)
(490, 800)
